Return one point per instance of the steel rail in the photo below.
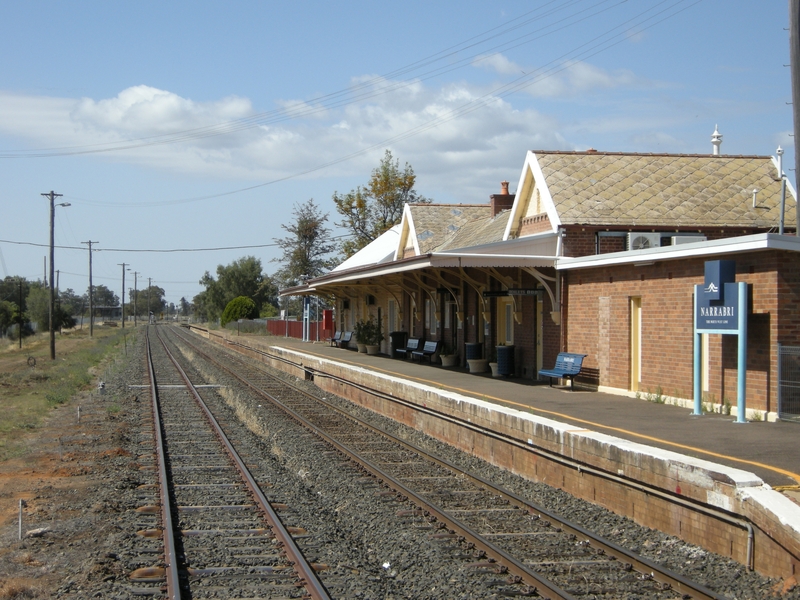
(688, 503)
(167, 530)
(639, 563)
(302, 568)
(503, 559)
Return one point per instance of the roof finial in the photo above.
(716, 141)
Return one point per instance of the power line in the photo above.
(220, 248)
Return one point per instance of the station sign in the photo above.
(717, 300)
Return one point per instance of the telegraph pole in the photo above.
(135, 294)
(52, 197)
(794, 56)
(123, 265)
(91, 290)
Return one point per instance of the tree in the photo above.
(70, 302)
(38, 305)
(104, 296)
(238, 308)
(306, 249)
(149, 299)
(371, 210)
(242, 277)
(8, 315)
(185, 308)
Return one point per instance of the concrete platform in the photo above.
(769, 450)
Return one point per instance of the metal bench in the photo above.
(428, 350)
(335, 339)
(568, 365)
(344, 339)
(411, 346)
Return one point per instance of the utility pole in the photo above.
(20, 312)
(794, 56)
(123, 265)
(91, 290)
(135, 294)
(52, 197)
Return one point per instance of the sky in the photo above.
(184, 134)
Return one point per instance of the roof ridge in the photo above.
(593, 152)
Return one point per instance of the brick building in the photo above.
(596, 253)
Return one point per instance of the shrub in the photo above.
(238, 308)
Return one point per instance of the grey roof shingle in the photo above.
(599, 188)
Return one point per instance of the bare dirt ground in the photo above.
(68, 466)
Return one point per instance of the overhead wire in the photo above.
(640, 22)
(355, 93)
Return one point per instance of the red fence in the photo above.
(294, 329)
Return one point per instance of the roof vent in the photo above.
(591, 151)
(716, 141)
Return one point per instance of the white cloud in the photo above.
(499, 64)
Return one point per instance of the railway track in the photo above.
(536, 551)
(221, 535)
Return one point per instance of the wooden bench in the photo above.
(344, 340)
(428, 350)
(568, 365)
(335, 339)
(411, 346)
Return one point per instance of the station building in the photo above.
(596, 253)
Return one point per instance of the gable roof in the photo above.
(658, 190)
(428, 226)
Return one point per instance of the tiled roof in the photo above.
(435, 223)
(476, 233)
(600, 188)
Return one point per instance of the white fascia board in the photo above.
(532, 173)
(405, 225)
(378, 271)
(412, 231)
(746, 243)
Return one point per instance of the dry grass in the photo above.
(31, 383)
(13, 589)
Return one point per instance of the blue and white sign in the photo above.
(720, 306)
(717, 300)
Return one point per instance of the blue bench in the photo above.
(344, 340)
(428, 349)
(411, 346)
(335, 339)
(568, 365)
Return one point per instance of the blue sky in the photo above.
(296, 100)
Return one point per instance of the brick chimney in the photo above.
(502, 201)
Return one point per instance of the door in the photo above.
(636, 343)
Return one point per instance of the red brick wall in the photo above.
(666, 290)
(535, 224)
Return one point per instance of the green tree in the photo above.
(368, 211)
(185, 308)
(8, 315)
(104, 296)
(306, 252)
(38, 305)
(242, 277)
(239, 308)
(10, 290)
(70, 302)
(149, 299)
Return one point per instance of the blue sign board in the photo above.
(719, 315)
(720, 306)
(717, 305)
